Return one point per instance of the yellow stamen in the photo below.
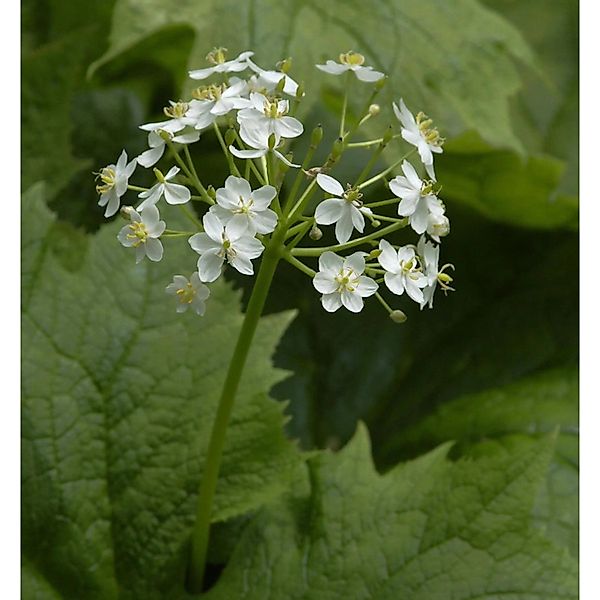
(217, 56)
(177, 110)
(139, 233)
(187, 294)
(352, 58)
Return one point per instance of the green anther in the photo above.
(177, 110)
(217, 56)
(139, 233)
(186, 294)
(444, 278)
(352, 58)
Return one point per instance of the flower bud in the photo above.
(387, 136)
(374, 253)
(379, 85)
(210, 190)
(374, 110)
(316, 136)
(398, 316)
(315, 233)
(376, 223)
(338, 148)
(230, 136)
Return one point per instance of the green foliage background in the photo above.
(113, 437)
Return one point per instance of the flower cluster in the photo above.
(269, 202)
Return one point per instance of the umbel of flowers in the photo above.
(275, 205)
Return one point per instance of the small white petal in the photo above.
(330, 185)
(331, 302)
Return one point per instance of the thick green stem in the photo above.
(201, 532)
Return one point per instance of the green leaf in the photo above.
(119, 394)
(512, 417)
(454, 57)
(427, 529)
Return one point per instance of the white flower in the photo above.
(212, 101)
(345, 210)
(218, 243)
(270, 118)
(174, 193)
(142, 233)
(351, 61)
(342, 283)
(217, 58)
(418, 200)
(258, 140)
(403, 271)
(190, 293)
(115, 179)
(430, 255)
(244, 210)
(157, 143)
(269, 80)
(438, 226)
(419, 133)
(179, 118)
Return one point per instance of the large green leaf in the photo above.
(427, 529)
(119, 393)
(454, 57)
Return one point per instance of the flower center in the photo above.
(209, 92)
(108, 177)
(271, 109)
(430, 134)
(217, 56)
(427, 187)
(444, 279)
(347, 280)
(245, 206)
(410, 268)
(186, 295)
(353, 59)
(177, 110)
(228, 251)
(353, 195)
(139, 233)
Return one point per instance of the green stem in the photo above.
(382, 202)
(345, 106)
(232, 166)
(351, 244)
(197, 184)
(386, 171)
(201, 532)
(191, 216)
(299, 265)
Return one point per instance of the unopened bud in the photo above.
(387, 136)
(300, 90)
(159, 175)
(210, 190)
(272, 141)
(315, 233)
(230, 136)
(316, 136)
(338, 148)
(284, 65)
(374, 110)
(374, 253)
(398, 316)
(165, 135)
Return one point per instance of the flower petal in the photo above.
(329, 211)
(176, 193)
(353, 302)
(154, 249)
(238, 186)
(213, 227)
(209, 266)
(324, 283)
(330, 185)
(388, 258)
(344, 226)
(330, 262)
(394, 283)
(331, 302)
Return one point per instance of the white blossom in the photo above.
(244, 210)
(418, 132)
(403, 271)
(269, 80)
(189, 294)
(342, 283)
(270, 118)
(418, 200)
(213, 101)
(142, 233)
(220, 65)
(438, 226)
(115, 179)
(345, 209)
(351, 61)
(218, 243)
(179, 118)
(258, 140)
(157, 144)
(430, 254)
(174, 193)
